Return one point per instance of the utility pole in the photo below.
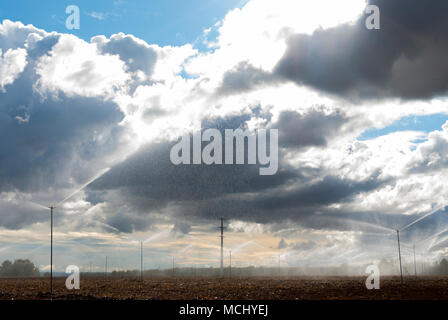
(415, 263)
(141, 261)
(399, 255)
(51, 250)
(230, 266)
(222, 247)
(279, 266)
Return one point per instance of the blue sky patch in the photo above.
(425, 124)
(164, 22)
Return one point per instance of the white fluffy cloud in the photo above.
(77, 68)
(12, 63)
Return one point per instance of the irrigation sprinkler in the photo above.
(399, 256)
(406, 227)
(141, 261)
(142, 242)
(51, 250)
(52, 208)
(415, 263)
(422, 217)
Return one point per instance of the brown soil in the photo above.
(301, 288)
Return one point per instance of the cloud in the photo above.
(431, 156)
(136, 53)
(149, 183)
(243, 77)
(75, 67)
(60, 139)
(99, 15)
(17, 213)
(12, 63)
(15, 34)
(404, 59)
(282, 244)
(180, 229)
(330, 189)
(58, 130)
(303, 246)
(311, 129)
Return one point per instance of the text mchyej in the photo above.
(234, 153)
(236, 309)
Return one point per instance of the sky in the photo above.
(89, 116)
(170, 22)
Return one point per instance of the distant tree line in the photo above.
(19, 268)
(440, 268)
(387, 267)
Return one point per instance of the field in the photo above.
(302, 288)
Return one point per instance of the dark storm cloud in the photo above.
(243, 77)
(303, 246)
(15, 215)
(311, 129)
(331, 189)
(180, 229)
(151, 174)
(406, 58)
(149, 183)
(302, 203)
(126, 221)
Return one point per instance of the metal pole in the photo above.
(399, 256)
(51, 251)
(222, 247)
(279, 267)
(415, 263)
(141, 260)
(230, 269)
